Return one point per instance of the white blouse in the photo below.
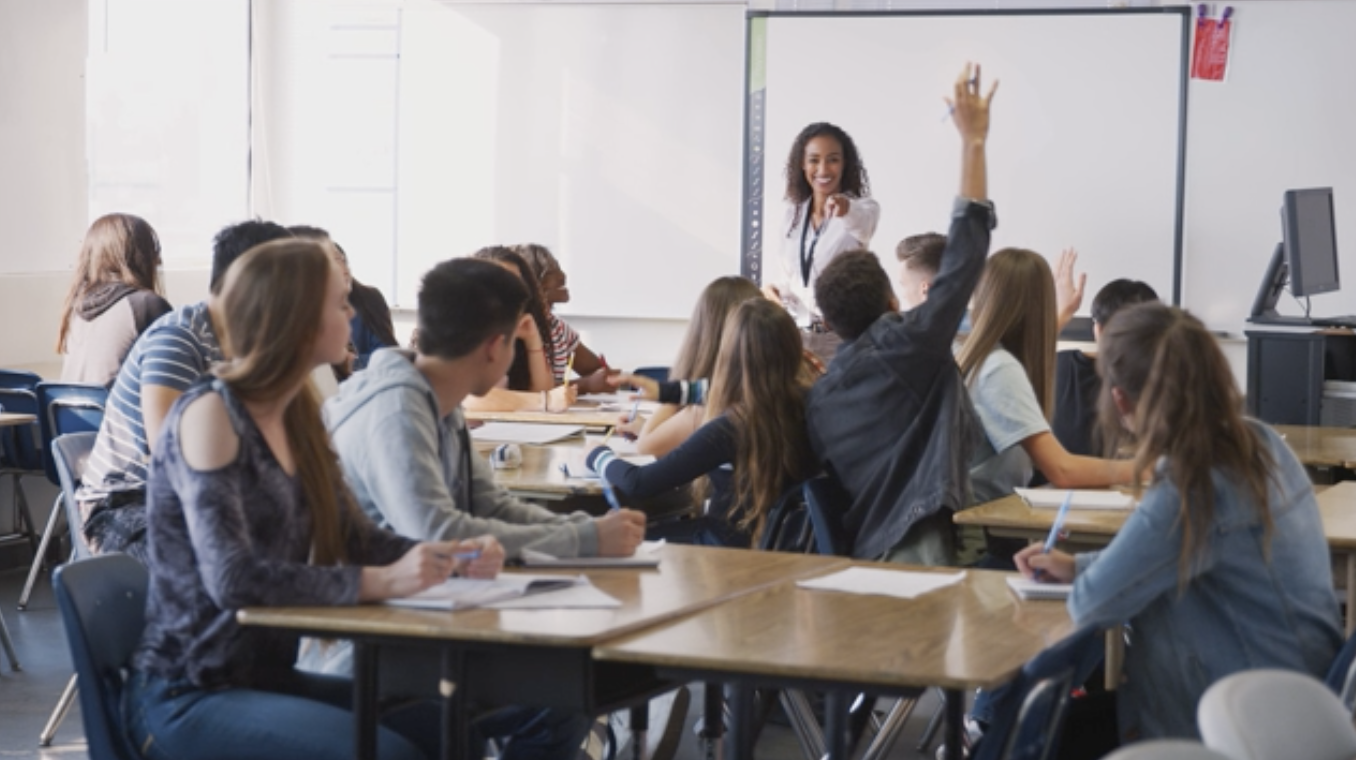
(849, 232)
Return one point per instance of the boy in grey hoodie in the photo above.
(402, 439)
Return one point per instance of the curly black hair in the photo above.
(854, 183)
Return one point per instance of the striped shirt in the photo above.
(564, 341)
(174, 351)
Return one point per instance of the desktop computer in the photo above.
(1305, 259)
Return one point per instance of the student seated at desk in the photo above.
(175, 351)
(1076, 382)
(752, 445)
(529, 385)
(247, 506)
(1223, 566)
(565, 345)
(371, 324)
(114, 297)
(891, 420)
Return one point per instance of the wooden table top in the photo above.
(689, 579)
(593, 419)
(1321, 446)
(1013, 512)
(541, 469)
(975, 633)
(10, 419)
(1337, 505)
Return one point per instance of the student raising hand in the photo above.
(969, 109)
(1068, 288)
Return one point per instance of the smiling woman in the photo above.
(828, 211)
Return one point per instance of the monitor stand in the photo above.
(1273, 284)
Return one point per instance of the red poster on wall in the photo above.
(1210, 54)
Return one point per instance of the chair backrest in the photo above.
(1341, 676)
(658, 374)
(827, 501)
(1270, 714)
(20, 447)
(68, 408)
(70, 454)
(1028, 712)
(103, 605)
(787, 527)
(1166, 749)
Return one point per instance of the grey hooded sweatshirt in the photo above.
(409, 469)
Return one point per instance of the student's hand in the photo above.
(772, 293)
(488, 564)
(630, 430)
(620, 532)
(527, 332)
(1068, 288)
(969, 109)
(596, 382)
(561, 398)
(648, 389)
(1055, 567)
(837, 205)
(424, 565)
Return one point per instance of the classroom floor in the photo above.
(27, 697)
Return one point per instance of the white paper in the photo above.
(1052, 498)
(903, 584)
(646, 555)
(582, 596)
(524, 432)
(465, 593)
(1029, 589)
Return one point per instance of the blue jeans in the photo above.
(309, 715)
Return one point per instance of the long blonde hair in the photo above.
(701, 345)
(1014, 307)
(1187, 410)
(118, 248)
(270, 333)
(758, 386)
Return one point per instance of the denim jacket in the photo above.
(1238, 610)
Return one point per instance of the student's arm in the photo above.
(710, 447)
(156, 401)
(558, 399)
(1068, 288)
(591, 371)
(1065, 470)
(658, 439)
(169, 365)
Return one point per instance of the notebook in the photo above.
(1051, 498)
(645, 556)
(465, 593)
(524, 432)
(1029, 589)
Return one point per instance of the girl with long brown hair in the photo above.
(753, 444)
(566, 346)
(1223, 566)
(114, 296)
(247, 506)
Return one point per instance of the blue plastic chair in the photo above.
(658, 374)
(64, 408)
(805, 520)
(103, 606)
(20, 449)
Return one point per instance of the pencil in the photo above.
(609, 435)
(569, 366)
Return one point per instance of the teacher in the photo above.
(828, 211)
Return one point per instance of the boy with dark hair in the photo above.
(891, 419)
(1077, 384)
(174, 351)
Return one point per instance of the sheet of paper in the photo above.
(903, 584)
(582, 596)
(524, 432)
(647, 555)
(1051, 498)
(1029, 589)
(465, 593)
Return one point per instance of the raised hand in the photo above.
(1068, 287)
(970, 109)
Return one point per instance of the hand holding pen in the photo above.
(481, 557)
(1041, 561)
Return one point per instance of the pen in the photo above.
(602, 360)
(1055, 528)
(609, 434)
(635, 409)
(609, 494)
(569, 366)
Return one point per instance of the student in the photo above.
(891, 420)
(671, 424)
(1223, 566)
(425, 479)
(529, 384)
(1076, 382)
(175, 351)
(372, 326)
(752, 445)
(114, 296)
(247, 507)
(565, 342)
(920, 257)
(1008, 363)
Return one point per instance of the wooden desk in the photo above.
(972, 634)
(540, 657)
(593, 419)
(1337, 505)
(541, 477)
(1321, 446)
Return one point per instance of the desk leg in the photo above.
(836, 730)
(640, 730)
(1115, 657)
(456, 725)
(955, 723)
(741, 720)
(365, 715)
(713, 720)
(1351, 593)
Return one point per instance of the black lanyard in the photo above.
(807, 258)
(466, 465)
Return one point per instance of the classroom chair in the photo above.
(63, 408)
(1271, 714)
(1341, 676)
(1166, 749)
(20, 449)
(1029, 711)
(658, 374)
(70, 454)
(103, 606)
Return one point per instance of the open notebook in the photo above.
(1029, 589)
(1052, 498)
(517, 590)
(647, 555)
(524, 432)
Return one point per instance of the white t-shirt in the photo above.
(849, 232)
(1007, 407)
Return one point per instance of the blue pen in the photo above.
(1055, 528)
(468, 556)
(635, 409)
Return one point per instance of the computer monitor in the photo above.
(1310, 235)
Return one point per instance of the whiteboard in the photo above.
(609, 133)
(1085, 147)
